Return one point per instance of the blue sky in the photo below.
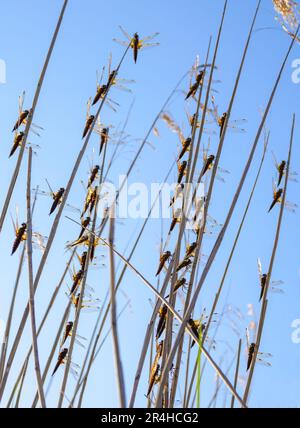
(83, 46)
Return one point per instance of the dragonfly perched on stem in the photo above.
(114, 80)
(61, 359)
(18, 141)
(68, 333)
(199, 325)
(55, 196)
(277, 199)
(136, 43)
(281, 170)
(22, 118)
(88, 305)
(85, 240)
(21, 235)
(261, 356)
(232, 125)
(208, 163)
(162, 318)
(263, 280)
(197, 79)
(102, 89)
(155, 368)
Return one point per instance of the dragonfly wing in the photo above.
(264, 363)
(279, 282)
(21, 101)
(259, 267)
(234, 128)
(277, 290)
(149, 45)
(223, 171)
(37, 126)
(121, 42)
(14, 225)
(151, 37)
(220, 178)
(125, 33)
(123, 88)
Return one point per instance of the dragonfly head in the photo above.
(26, 111)
(70, 324)
(136, 36)
(61, 190)
(21, 133)
(92, 117)
(23, 225)
(97, 167)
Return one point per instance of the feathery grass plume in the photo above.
(288, 16)
(289, 12)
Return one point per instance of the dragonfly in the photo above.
(277, 199)
(56, 196)
(113, 80)
(195, 326)
(88, 123)
(263, 280)
(208, 162)
(177, 215)
(261, 356)
(136, 43)
(155, 368)
(22, 118)
(185, 147)
(192, 119)
(184, 264)
(94, 174)
(197, 73)
(85, 223)
(88, 305)
(21, 235)
(85, 240)
(200, 325)
(61, 359)
(162, 261)
(181, 170)
(281, 170)
(68, 332)
(18, 141)
(232, 125)
(190, 250)
(162, 313)
(94, 265)
(77, 278)
(179, 284)
(90, 200)
(103, 132)
(102, 89)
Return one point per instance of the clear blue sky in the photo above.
(83, 46)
